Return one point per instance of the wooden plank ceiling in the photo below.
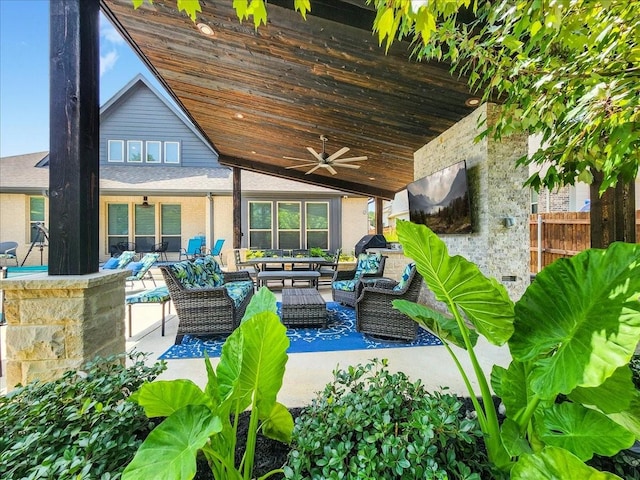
(261, 95)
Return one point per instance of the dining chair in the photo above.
(194, 249)
(8, 251)
(161, 248)
(217, 249)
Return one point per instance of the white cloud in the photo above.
(108, 33)
(108, 61)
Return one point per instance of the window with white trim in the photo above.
(317, 224)
(171, 152)
(260, 225)
(117, 225)
(134, 151)
(289, 226)
(36, 217)
(153, 151)
(171, 226)
(115, 151)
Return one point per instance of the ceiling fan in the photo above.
(324, 160)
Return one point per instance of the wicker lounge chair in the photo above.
(343, 287)
(208, 302)
(376, 316)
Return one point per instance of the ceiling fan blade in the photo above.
(315, 154)
(317, 166)
(346, 165)
(299, 159)
(335, 155)
(331, 169)
(350, 159)
(303, 165)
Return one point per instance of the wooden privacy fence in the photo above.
(560, 235)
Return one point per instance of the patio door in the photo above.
(117, 225)
(144, 227)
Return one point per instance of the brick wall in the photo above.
(496, 192)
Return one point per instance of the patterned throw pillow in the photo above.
(367, 263)
(405, 276)
(184, 272)
(209, 272)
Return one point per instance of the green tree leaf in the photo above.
(164, 397)
(169, 452)
(302, 6)
(456, 281)
(580, 319)
(190, 7)
(554, 463)
(581, 431)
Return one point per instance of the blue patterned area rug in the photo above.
(340, 334)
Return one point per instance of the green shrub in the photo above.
(79, 426)
(370, 423)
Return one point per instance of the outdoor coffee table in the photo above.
(303, 307)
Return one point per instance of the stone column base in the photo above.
(57, 323)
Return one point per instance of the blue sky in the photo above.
(24, 73)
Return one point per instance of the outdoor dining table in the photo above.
(310, 274)
(314, 262)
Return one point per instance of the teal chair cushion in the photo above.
(135, 267)
(156, 295)
(345, 285)
(406, 274)
(209, 271)
(239, 290)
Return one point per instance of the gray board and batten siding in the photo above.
(138, 112)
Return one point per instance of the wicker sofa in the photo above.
(343, 286)
(376, 316)
(208, 301)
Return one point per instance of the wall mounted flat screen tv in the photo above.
(441, 200)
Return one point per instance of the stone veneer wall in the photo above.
(57, 323)
(496, 188)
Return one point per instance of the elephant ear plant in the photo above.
(249, 374)
(568, 390)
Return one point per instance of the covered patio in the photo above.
(260, 96)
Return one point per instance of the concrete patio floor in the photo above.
(306, 373)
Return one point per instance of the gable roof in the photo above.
(29, 173)
(121, 96)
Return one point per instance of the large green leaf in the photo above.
(263, 301)
(169, 451)
(581, 431)
(279, 424)
(580, 319)
(164, 397)
(511, 386)
(554, 463)
(630, 419)
(264, 359)
(446, 328)
(601, 396)
(455, 280)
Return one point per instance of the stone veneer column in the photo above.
(497, 191)
(57, 323)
